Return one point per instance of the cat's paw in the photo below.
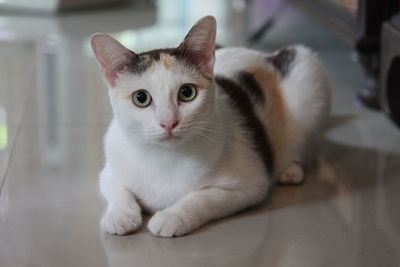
(292, 175)
(166, 224)
(121, 222)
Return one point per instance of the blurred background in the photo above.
(369, 27)
(54, 111)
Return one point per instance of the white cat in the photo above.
(192, 141)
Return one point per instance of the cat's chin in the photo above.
(169, 140)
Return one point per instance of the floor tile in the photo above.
(50, 206)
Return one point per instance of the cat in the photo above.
(199, 134)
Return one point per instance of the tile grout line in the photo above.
(13, 144)
(9, 157)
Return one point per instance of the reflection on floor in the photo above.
(54, 111)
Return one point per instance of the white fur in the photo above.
(194, 181)
(211, 171)
(306, 92)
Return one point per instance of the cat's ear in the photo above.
(199, 45)
(111, 55)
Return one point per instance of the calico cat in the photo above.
(198, 135)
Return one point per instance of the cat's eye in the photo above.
(141, 98)
(187, 92)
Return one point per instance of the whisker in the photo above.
(215, 131)
(207, 125)
(208, 138)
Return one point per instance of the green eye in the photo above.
(141, 98)
(187, 92)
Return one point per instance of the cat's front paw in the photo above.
(121, 222)
(167, 224)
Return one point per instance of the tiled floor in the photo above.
(55, 109)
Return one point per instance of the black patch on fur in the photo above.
(141, 62)
(155, 54)
(283, 60)
(251, 86)
(240, 100)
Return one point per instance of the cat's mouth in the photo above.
(170, 136)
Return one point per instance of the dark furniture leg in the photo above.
(390, 68)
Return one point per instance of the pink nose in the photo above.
(169, 126)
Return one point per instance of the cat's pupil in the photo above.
(141, 97)
(187, 91)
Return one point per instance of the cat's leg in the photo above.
(293, 175)
(123, 214)
(200, 207)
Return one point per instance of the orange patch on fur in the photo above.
(203, 84)
(275, 110)
(167, 60)
(153, 66)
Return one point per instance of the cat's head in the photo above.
(162, 96)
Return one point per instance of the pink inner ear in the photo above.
(111, 75)
(110, 69)
(111, 55)
(111, 65)
(204, 61)
(199, 45)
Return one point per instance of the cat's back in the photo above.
(288, 91)
(231, 60)
(290, 81)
